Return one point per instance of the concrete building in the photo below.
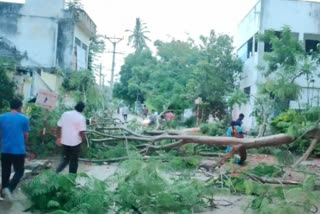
(44, 36)
(303, 18)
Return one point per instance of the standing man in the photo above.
(145, 112)
(70, 133)
(14, 127)
(239, 120)
(125, 111)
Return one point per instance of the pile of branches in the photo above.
(150, 141)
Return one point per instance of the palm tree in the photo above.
(137, 37)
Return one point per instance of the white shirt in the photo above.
(125, 110)
(71, 123)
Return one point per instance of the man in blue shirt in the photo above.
(14, 127)
(239, 120)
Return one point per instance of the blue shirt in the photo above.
(12, 126)
(239, 130)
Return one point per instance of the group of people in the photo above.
(14, 128)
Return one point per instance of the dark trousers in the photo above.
(125, 117)
(70, 156)
(7, 161)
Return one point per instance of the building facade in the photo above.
(303, 18)
(44, 36)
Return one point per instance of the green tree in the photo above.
(96, 47)
(285, 63)
(180, 72)
(138, 37)
(6, 85)
(75, 5)
(166, 88)
(133, 74)
(216, 73)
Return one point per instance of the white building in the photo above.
(42, 35)
(303, 18)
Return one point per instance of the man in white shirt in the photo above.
(70, 133)
(125, 111)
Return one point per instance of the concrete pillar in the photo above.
(301, 36)
(253, 44)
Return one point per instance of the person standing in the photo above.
(125, 111)
(70, 134)
(234, 130)
(145, 112)
(239, 120)
(14, 127)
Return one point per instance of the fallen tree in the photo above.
(177, 139)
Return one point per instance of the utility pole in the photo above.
(114, 41)
(100, 75)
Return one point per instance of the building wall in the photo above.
(82, 49)
(51, 80)
(300, 16)
(32, 27)
(303, 19)
(65, 43)
(248, 26)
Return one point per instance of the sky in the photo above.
(165, 19)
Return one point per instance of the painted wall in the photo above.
(300, 16)
(32, 27)
(248, 26)
(303, 18)
(84, 38)
(51, 80)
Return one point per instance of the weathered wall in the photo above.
(41, 8)
(248, 26)
(65, 43)
(32, 27)
(300, 16)
(304, 20)
(9, 17)
(84, 38)
(51, 80)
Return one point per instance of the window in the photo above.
(78, 42)
(267, 44)
(84, 47)
(311, 45)
(247, 91)
(245, 50)
(242, 52)
(249, 50)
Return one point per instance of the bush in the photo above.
(295, 123)
(58, 193)
(190, 122)
(212, 129)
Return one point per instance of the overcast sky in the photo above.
(165, 19)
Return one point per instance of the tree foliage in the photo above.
(137, 186)
(285, 63)
(96, 47)
(7, 90)
(81, 86)
(180, 72)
